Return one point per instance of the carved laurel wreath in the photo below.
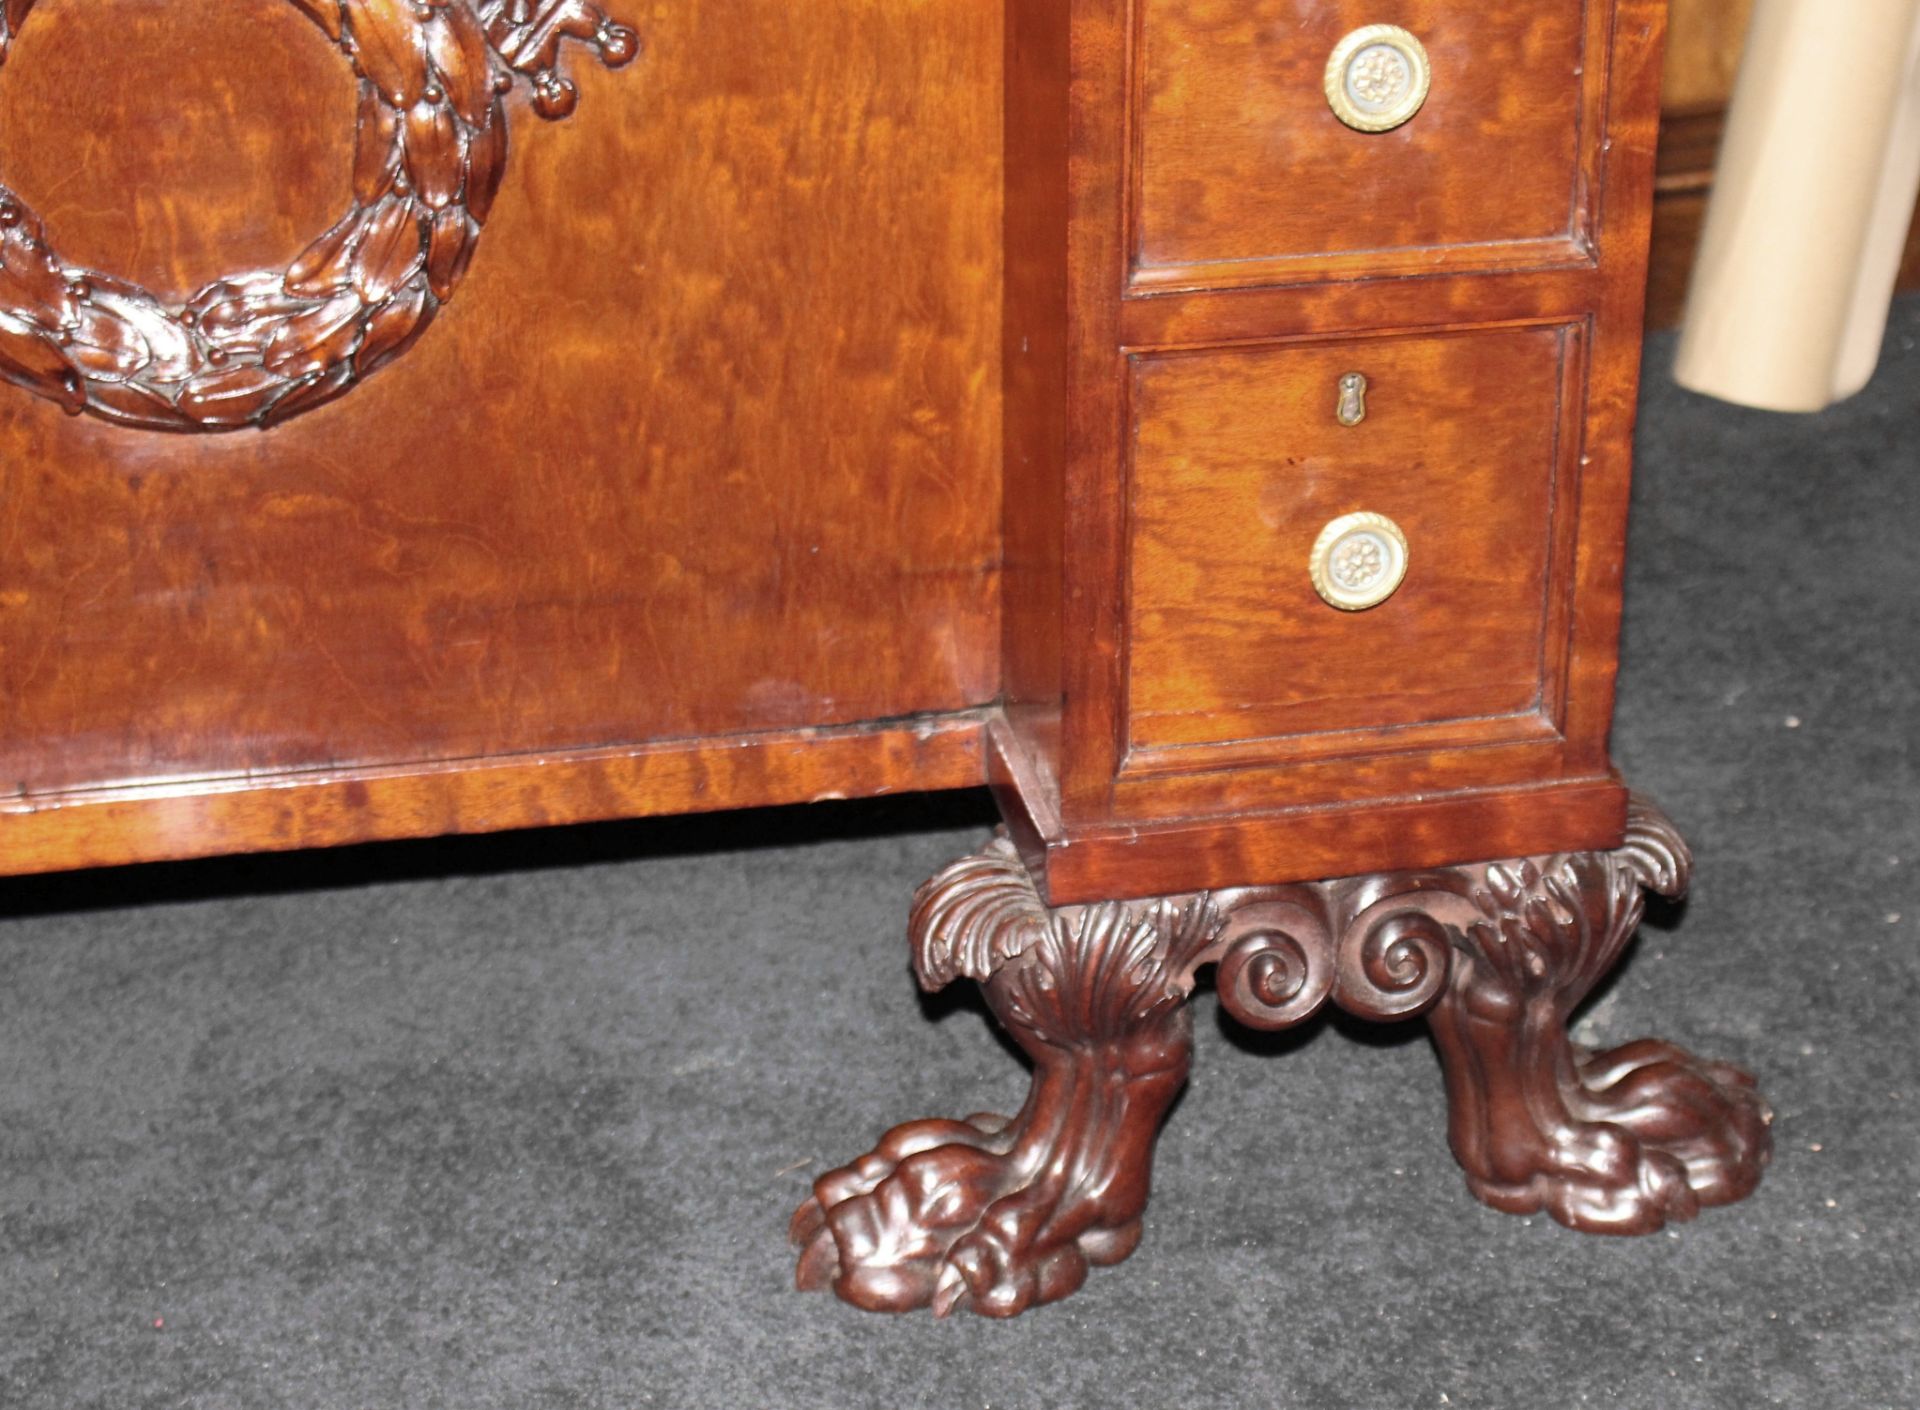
(254, 349)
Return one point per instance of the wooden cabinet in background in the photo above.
(1704, 38)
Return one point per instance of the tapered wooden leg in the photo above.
(1000, 1214)
(1617, 1142)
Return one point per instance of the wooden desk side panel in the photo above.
(1086, 807)
(1034, 341)
(707, 443)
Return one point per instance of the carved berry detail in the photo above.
(255, 348)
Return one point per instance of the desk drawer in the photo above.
(1240, 462)
(1244, 172)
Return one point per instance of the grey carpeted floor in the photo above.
(518, 1121)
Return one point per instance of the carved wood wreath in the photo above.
(254, 349)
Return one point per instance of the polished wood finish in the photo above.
(1125, 475)
(1704, 42)
(335, 807)
(1494, 171)
(1034, 359)
(707, 446)
(999, 1214)
(123, 122)
(872, 398)
(254, 347)
(770, 507)
(1237, 465)
(1621, 1141)
(1129, 858)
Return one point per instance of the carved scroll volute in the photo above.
(254, 348)
(1276, 959)
(1004, 1213)
(1379, 953)
(1393, 961)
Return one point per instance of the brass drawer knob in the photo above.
(1359, 561)
(1377, 78)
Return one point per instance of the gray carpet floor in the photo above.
(519, 1121)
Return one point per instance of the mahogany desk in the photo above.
(1206, 421)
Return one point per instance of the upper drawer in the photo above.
(1243, 173)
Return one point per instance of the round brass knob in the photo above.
(1377, 78)
(1359, 561)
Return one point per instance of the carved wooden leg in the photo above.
(1002, 1214)
(1609, 1142)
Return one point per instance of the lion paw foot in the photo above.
(1655, 1135)
(1705, 1116)
(945, 1214)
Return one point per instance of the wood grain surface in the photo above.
(156, 140)
(709, 444)
(1704, 41)
(1241, 162)
(334, 807)
(1239, 463)
(700, 497)
(1216, 783)
(254, 347)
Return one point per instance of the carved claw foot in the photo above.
(1001, 1215)
(986, 1213)
(1618, 1142)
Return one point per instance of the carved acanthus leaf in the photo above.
(1656, 851)
(974, 916)
(1004, 1213)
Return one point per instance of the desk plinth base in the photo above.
(999, 1215)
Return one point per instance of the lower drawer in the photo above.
(1461, 448)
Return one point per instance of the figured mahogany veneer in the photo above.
(872, 397)
(1179, 704)
(1497, 171)
(657, 497)
(1237, 465)
(691, 498)
(254, 347)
